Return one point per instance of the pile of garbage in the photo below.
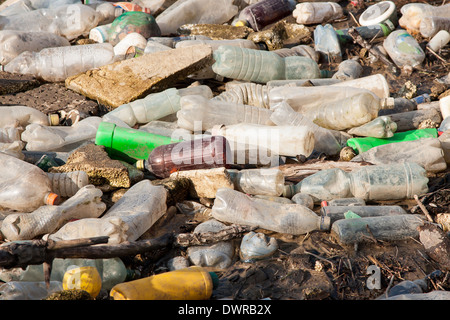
(232, 149)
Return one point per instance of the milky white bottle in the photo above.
(67, 184)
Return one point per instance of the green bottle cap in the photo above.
(215, 279)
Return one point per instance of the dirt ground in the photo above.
(308, 267)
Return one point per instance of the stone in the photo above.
(215, 31)
(124, 81)
(12, 83)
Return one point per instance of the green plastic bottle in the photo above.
(128, 144)
(363, 144)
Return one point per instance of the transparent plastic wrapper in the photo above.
(380, 127)
(413, 13)
(263, 181)
(86, 203)
(33, 290)
(58, 63)
(426, 152)
(338, 212)
(385, 228)
(21, 116)
(262, 66)
(317, 12)
(45, 138)
(217, 255)
(23, 6)
(280, 140)
(13, 43)
(257, 246)
(195, 11)
(236, 207)
(11, 142)
(327, 43)
(69, 21)
(403, 49)
(348, 70)
(24, 187)
(198, 113)
(324, 139)
(155, 105)
(132, 215)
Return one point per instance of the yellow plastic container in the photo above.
(193, 283)
(84, 278)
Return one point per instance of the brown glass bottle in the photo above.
(204, 153)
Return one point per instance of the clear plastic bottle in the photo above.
(375, 83)
(430, 26)
(384, 228)
(58, 63)
(281, 140)
(413, 13)
(327, 43)
(67, 184)
(261, 66)
(338, 212)
(299, 50)
(344, 202)
(86, 203)
(132, 215)
(69, 21)
(324, 139)
(348, 70)
(263, 181)
(23, 6)
(195, 11)
(257, 246)
(264, 12)
(30, 290)
(14, 42)
(248, 93)
(380, 127)
(233, 206)
(24, 186)
(317, 12)
(193, 283)
(400, 105)
(155, 105)
(303, 199)
(200, 113)
(403, 49)
(23, 116)
(45, 138)
(440, 40)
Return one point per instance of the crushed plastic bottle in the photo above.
(317, 12)
(30, 290)
(414, 13)
(257, 246)
(326, 42)
(380, 127)
(403, 49)
(264, 181)
(23, 116)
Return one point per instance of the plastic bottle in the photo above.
(132, 215)
(200, 113)
(264, 12)
(384, 228)
(23, 116)
(86, 203)
(207, 152)
(299, 50)
(378, 13)
(193, 283)
(375, 83)
(380, 127)
(348, 70)
(403, 49)
(344, 202)
(69, 21)
(248, 93)
(430, 26)
(413, 13)
(100, 33)
(375, 182)
(106, 11)
(303, 199)
(23, 6)
(126, 143)
(67, 184)
(132, 39)
(232, 206)
(263, 181)
(51, 64)
(444, 106)
(317, 12)
(112, 271)
(165, 128)
(20, 290)
(156, 105)
(24, 186)
(338, 212)
(257, 246)
(324, 139)
(62, 138)
(361, 145)
(444, 126)
(195, 11)
(248, 65)
(439, 40)
(407, 287)
(400, 105)
(280, 140)
(327, 43)
(369, 32)
(13, 43)
(172, 42)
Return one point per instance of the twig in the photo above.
(233, 231)
(437, 56)
(356, 21)
(389, 286)
(425, 211)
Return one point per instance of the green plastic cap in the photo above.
(105, 133)
(215, 279)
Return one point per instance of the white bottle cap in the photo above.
(377, 13)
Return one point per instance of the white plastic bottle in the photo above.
(403, 49)
(317, 12)
(23, 116)
(232, 206)
(198, 112)
(324, 139)
(69, 21)
(58, 63)
(24, 187)
(60, 138)
(67, 184)
(195, 11)
(138, 209)
(132, 39)
(155, 105)
(14, 42)
(263, 181)
(86, 203)
(281, 140)
(439, 40)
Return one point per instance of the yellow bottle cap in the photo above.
(140, 165)
(53, 119)
(241, 23)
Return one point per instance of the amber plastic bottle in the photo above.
(204, 153)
